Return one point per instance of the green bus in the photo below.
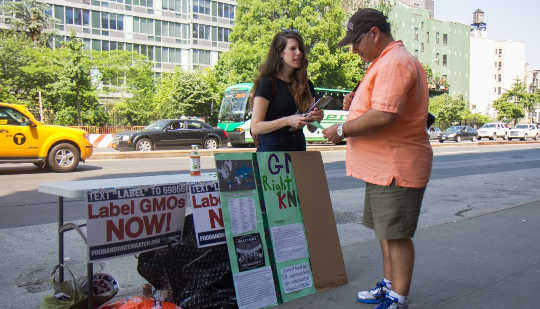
(235, 113)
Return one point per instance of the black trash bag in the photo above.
(199, 278)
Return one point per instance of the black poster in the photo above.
(249, 251)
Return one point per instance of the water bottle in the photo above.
(195, 161)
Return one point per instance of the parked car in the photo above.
(171, 133)
(493, 130)
(524, 131)
(458, 133)
(434, 133)
(23, 139)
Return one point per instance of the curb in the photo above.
(204, 152)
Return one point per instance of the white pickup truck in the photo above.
(493, 130)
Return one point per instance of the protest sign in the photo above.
(127, 220)
(207, 214)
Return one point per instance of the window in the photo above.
(201, 6)
(12, 117)
(445, 39)
(427, 37)
(77, 17)
(201, 57)
(500, 65)
(422, 47)
(437, 38)
(437, 58)
(69, 16)
(416, 33)
(499, 78)
(498, 90)
(444, 60)
(59, 13)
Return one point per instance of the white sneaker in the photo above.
(374, 295)
(390, 302)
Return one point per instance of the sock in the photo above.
(401, 299)
(388, 283)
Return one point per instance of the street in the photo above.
(467, 181)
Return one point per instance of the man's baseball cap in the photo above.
(361, 22)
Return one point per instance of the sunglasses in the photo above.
(289, 30)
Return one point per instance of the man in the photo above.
(388, 148)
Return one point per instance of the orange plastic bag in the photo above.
(138, 302)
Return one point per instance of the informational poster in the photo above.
(289, 242)
(207, 214)
(244, 229)
(127, 220)
(255, 288)
(284, 219)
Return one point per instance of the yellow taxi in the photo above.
(23, 139)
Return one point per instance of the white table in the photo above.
(77, 189)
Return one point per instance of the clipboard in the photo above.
(320, 103)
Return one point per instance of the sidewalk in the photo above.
(489, 261)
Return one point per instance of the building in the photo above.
(442, 45)
(533, 86)
(494, 66)
(428, 5)
(171, 33)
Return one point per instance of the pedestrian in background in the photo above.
(283, 93)
(388, 148)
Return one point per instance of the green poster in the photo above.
(245, 231)
(284, 222)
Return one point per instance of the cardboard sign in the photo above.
(127, 220)
(207, 214)
(244, 230)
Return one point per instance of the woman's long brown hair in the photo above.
(272, 66)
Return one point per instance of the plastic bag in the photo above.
(67, 294)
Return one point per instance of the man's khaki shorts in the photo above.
(392, 211)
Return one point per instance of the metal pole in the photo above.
(61, 237)
(40, 107)
(90, 274)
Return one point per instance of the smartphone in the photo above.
(320, 103)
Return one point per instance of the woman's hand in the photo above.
(316, 114)
(297, 121)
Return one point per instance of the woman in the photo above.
(282, 95)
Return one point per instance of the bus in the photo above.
(235, 114)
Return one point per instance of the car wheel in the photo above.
(211, 143)
(63, 158)
(441, 141)
(458, 139)
(144, 144)
(524, 137)
(536, 137)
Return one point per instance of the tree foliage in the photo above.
(446, 109)
(515, 102)
(183, 94)
(30, 17)
(320, 23)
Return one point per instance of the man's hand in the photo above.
(347, 101)
(316, 115)
(331, 134)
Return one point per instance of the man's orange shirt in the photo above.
(395, 82)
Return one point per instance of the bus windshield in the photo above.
(234, 105)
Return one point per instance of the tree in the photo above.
(140, 108)
(446, 109)
(183, 94)
(320, 22)
(513, 103)
(30, 17)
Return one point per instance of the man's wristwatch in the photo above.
(339, 130)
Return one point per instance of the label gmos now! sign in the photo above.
(126, 220)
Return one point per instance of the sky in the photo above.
(516, 20)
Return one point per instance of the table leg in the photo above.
(90, 274)
(61, 237)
